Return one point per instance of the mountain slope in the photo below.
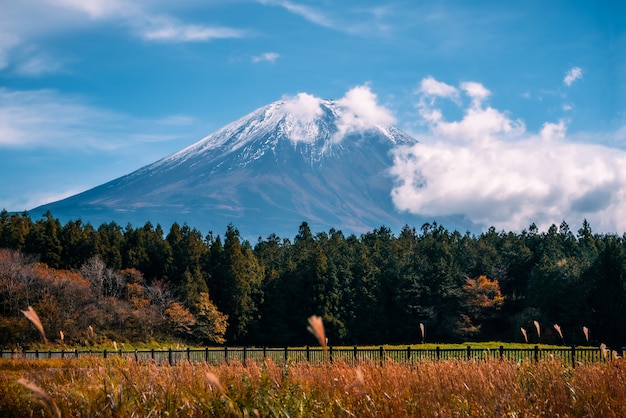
(291, 161)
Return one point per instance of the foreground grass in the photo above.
(119, 387)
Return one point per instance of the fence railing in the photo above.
(569, 355)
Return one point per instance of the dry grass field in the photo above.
(123, 387)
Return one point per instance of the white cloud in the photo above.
(498, 174)
(431, 87)
(361, 111)
(302, 113)
(268, 56)
(357, 111)
(572, 75)
(476, 91)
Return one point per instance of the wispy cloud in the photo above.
(267, 56)
(46, 118)
(572, 75)
(167, 29)
(488, 167)
(312, 15)
(21, 29)
(363, 21)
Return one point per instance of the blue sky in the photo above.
(520, 106)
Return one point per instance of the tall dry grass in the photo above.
(124, 387)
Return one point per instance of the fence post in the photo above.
(226, 354)
(37, 353)
(188, 354)
(308, 354)
(536, 354)
(104, 353)
(438, 352)
(381, 354)
(501, 352)
(76, 352)
(169, 356)
(206, 354)
(264, 352)
(62, 353)
(408, 354)
(136, 355)
(573, 356)
(286, 356)
(330, 353)
(152, 353)
(1, 354)
(244, 355)
(469, 352)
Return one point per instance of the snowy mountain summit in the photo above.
(298, 159)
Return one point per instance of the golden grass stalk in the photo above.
(524, 334)
(586, 332)
(538, 328)
(34, 318)
(40, 394)
(316, 327)
(115, 345)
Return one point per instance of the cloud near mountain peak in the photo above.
(488, 167)
(358, 110)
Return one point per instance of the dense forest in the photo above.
(91, 285)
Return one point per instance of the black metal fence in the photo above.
(569, 355)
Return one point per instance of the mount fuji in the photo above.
(297, 159)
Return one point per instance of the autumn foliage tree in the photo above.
(481, 299)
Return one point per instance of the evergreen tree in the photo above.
(43, 240)
(608, 297)
(238, 285)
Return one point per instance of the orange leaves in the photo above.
(483, 293)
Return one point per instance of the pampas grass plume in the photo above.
(604, 350)
(524, 334)
(538, 328)
(316, 327)
(558, 329)
(422, 330)
(586, 332)
(34, 318)
(215, 382)
(42, 396)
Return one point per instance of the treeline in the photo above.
(125, 283)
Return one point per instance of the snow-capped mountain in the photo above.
(295, 160)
